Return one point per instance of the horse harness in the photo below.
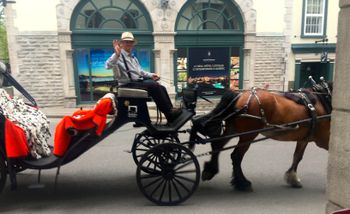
(312, 112)
(306, 101)
(305, 98)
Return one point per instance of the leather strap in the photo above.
(126, 67)
(312, 112)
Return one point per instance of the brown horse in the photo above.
(257, 109)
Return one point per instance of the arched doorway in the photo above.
(209, 40)
(94, 24)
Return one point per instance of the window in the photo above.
(209, 40)
(94, 24)
(209, 15)
(111, 14)
(94, 79)
(211, 68)
(314, 18)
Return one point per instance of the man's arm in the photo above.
(112, 61)
(143, 73)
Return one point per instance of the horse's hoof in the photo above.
(242, 186)
(209, 171)
(292, 179)
(206, 176)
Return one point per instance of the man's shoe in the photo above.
(173, 114)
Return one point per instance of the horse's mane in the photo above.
(225, 101)
(211, 124)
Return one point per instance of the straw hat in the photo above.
(128, 36)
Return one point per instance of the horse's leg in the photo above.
(291, 176)
(240, 182)
(211, 168)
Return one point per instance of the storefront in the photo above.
(209, 43)
(94, 25)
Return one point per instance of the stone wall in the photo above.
(339, 152)
(39, 69)
(269, 61)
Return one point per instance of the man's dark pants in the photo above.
(156, 91)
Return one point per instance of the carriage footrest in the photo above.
(43, 163)
(174, 126)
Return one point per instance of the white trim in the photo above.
(321, 32)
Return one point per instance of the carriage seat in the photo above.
(132, 92)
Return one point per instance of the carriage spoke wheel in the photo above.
(3, 173)
(143, 142)
(168, 174)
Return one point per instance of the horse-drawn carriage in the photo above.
(168, 172)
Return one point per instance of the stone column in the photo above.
(164, 48)
(66, 56)
(249, 60)
(11, 38)
(338, 188)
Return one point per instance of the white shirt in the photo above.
(119, 69)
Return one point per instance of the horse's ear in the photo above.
(330, 85)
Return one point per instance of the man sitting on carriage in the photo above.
(129, 74)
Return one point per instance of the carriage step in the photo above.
(175, 125)
(36, 186)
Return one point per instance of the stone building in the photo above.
(338, 187)
(57, 47)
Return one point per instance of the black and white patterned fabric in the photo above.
(33, 121)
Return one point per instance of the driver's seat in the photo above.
(132, 92)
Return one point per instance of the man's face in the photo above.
(128, 45)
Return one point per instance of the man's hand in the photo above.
(117, 47)
(155, 77)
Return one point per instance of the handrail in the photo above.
(14, 83)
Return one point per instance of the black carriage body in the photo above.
(130, 108)
(133, 109)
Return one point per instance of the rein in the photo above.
(324, 98)
(279, 131)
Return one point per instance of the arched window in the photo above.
(94, 25)
(209, 15)
(209, 43)
(110, 15)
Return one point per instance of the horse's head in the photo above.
(324, 93)
(211, 124)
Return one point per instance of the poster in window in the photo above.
(181, 73)
(234, 73)
(144, 57)
(100, 76)
(209, 69)
(82, 59)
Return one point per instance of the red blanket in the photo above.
(81, 120)
(15, 140)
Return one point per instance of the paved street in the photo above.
(103, 181)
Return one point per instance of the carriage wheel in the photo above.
(143, 142)
(3, 173)
(168, 174)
